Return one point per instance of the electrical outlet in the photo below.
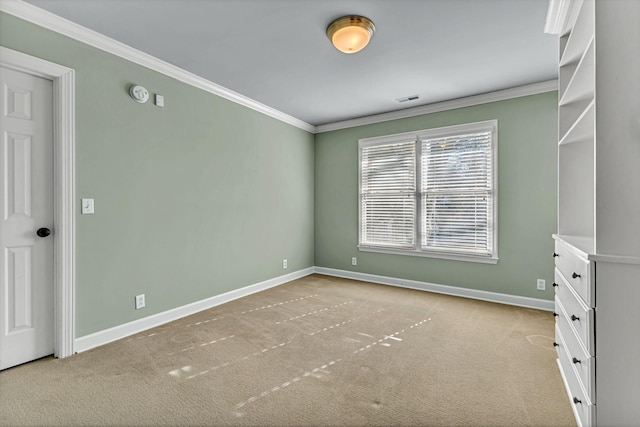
(284, 263)
(139, 301)
(541, 284)
(354, 261)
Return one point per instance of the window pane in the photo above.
(388, 220)
(389, 168)
(457, 162)
(458, 222)
(456, 209)
(388, 195)
(430, 193)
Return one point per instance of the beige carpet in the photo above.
(316, 351)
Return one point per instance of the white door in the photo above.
(26, 209)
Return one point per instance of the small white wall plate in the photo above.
(139, 94)
(87, 207)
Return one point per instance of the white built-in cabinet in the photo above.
(597, 247)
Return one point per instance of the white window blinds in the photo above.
(456, 193)
(431, 193)
(388, 194)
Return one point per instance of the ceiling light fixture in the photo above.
(350, 34)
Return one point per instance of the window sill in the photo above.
(438, 255)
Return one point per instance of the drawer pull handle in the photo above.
(576, 360)
(574, 317)
(555, 285)
(555, 255)
(575, 275)
(576, 400)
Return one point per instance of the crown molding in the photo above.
(556, 16)
(500, 95)
(50, 21)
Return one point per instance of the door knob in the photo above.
(43, 232)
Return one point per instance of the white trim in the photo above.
(64, 188)
(501, 95)
(418, 136)
(432, 254)
(77, 32)
(45, 19)
(561, 16)
(115, 333)
(106, 336)
(536, 303)
(556, 16)
(584, 247)
(617, 259)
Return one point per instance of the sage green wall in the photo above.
(192, 200)
(527, 150)
(205, 196)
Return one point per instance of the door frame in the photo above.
(64, 188)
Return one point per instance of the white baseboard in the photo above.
(441, 289)
(106, 336)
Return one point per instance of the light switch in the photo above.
(87, 206)
(159, 100)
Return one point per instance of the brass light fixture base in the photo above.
(350, 34)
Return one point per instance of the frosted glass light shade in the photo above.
(350, 34)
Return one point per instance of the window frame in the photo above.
(418, 136)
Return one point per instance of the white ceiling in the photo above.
(276, 51)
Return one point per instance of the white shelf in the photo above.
(576, 131)
(583, 129)
(581, 33)
(582, 80)
(563, 44)
(569, 114)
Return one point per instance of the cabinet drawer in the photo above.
(583, 362)
(583, 409)
(577, 314)
(578, 272)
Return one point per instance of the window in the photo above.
(431, 193)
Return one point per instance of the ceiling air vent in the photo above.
(407, 98)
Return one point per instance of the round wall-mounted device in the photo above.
(139, 94)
